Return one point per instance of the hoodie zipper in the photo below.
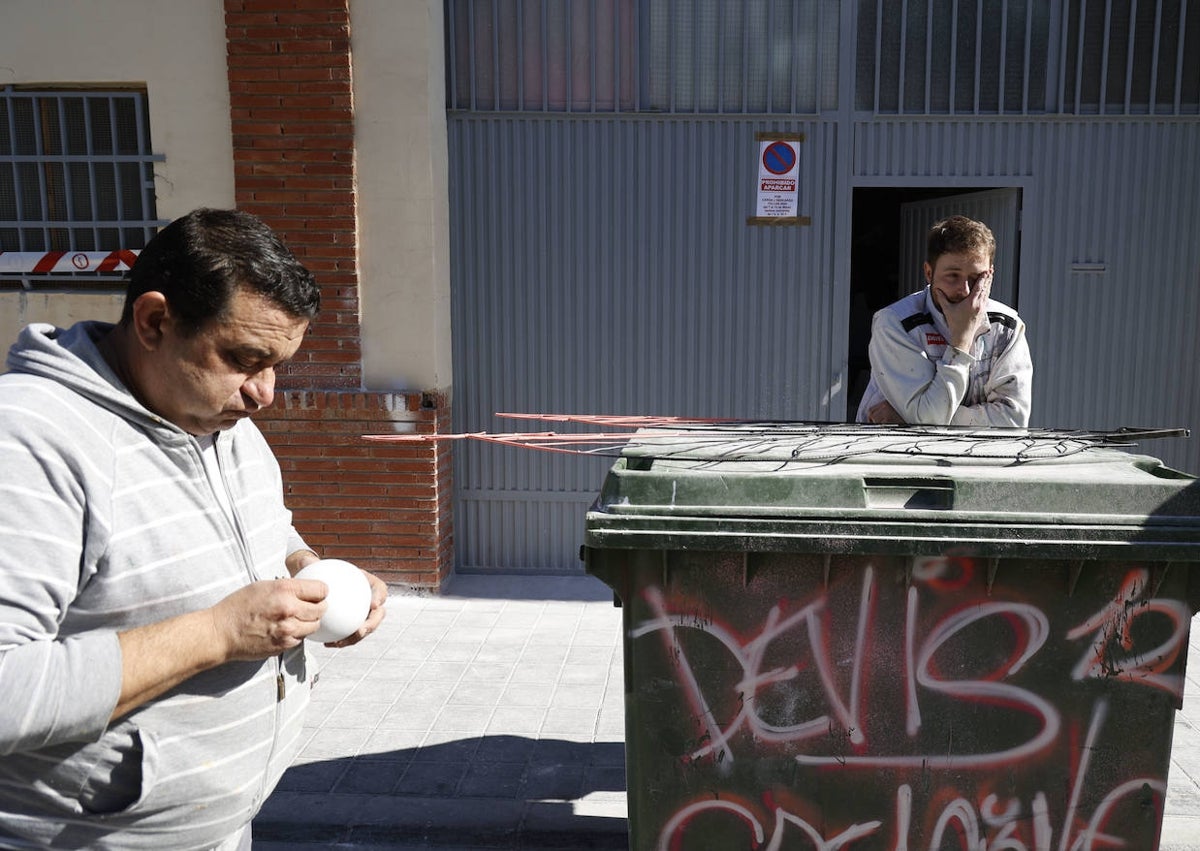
(280, 683)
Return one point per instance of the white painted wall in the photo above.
(403, 196)
(176, 49)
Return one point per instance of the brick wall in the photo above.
(292, 110)
(384, 506)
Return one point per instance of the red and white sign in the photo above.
(47, 262)
(778, 178)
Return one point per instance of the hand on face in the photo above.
(961, 288)
(966, 316)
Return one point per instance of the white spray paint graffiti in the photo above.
(990, 824)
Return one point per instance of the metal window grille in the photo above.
(76, 174)
(911, 57)
(988, 57)
(661, 56)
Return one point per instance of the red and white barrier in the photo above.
(46, 262)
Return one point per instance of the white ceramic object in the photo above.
(349, 598)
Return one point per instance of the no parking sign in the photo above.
(778, 178)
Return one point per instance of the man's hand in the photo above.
(268, 617)
(883, 412)
(254, 622)
(379, 595)
(965, 317)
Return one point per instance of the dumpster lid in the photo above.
(729, 485)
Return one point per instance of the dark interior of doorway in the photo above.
(875, 269)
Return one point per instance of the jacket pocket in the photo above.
(119, 772)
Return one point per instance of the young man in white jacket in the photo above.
(949, 355)
(151, 636)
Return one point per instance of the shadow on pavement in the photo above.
(499, 791)
(571, 587)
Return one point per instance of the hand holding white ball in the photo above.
(349, 598)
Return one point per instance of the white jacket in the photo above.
(931, 383)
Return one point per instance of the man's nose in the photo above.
(259, 390)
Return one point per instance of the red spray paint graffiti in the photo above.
(939, 712)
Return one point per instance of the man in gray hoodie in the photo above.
(152, 659)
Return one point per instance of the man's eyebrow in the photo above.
(255, 353)
(250, 349)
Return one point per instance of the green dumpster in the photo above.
(853, 637)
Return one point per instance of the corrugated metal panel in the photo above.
(1117, 252)
(605, 266)
(959, 153)
(1110, 262)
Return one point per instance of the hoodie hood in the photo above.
(70, 357)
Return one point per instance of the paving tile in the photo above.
(355, 713)
(558, 782)
(447, 745)
(467, 719)
(537, 694)
(609, 778)
(332, 690)
(454, 651)
(499, 636)
(391, 744)
(568, 720)
(335, 742)
(548, 653)
(583, 675)
(468, 693)
(578, 697)
(370, 777)
(493, 780)
(435, 671)
(425, 692)
(595, 637)
(499, 653)
(407, 716)
(535, 672)
(318, 776)
(491, 672)
(439, 779)
(505, 748)
(516, 720)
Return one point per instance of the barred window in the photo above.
(991, 57)
(76, 178)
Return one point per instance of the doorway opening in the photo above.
(888, 248)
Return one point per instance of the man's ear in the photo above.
(928, 273)
(150, 315)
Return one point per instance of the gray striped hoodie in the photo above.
(108, 521)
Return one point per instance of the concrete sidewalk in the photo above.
(492, 716)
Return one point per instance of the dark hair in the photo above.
(199, 260)
(959, 235)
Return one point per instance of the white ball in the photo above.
(349, 598)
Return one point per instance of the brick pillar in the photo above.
(383, 506)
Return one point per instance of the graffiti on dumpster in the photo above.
(927, 692)
(958, 822)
